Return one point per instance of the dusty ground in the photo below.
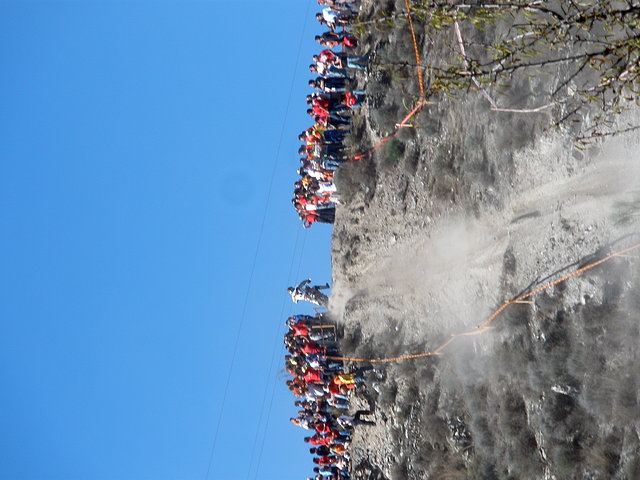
(442, 225)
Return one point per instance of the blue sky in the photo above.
(139, 143)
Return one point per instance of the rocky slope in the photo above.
(460, 212)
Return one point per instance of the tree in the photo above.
(588, 51)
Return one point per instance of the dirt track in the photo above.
(437, 229)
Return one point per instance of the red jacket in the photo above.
(311, 347)
(327, 56)
(300, 330)
(326, 460)
(318, 439)
(323, 428)
(312, 376)
(320, 112)
(349, 99)
(321, 102)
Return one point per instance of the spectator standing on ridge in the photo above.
(303, 291)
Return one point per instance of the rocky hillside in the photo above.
(461, 211)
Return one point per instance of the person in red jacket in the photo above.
(322, 428)
(311, 347)
(318, 440)
(333, 39)
(311, 217)
(329, 439)
(300, 330)
(313, 376)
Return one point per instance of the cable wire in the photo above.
(255, 256)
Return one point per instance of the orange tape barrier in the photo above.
(387, 138)
(420, 86)
(415, 50)
(484, 326)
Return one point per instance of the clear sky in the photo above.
(139, 155)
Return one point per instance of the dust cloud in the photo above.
(554, 388)
(454, 273)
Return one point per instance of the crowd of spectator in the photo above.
(330, 106)
(319, 379)
(323, 389)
